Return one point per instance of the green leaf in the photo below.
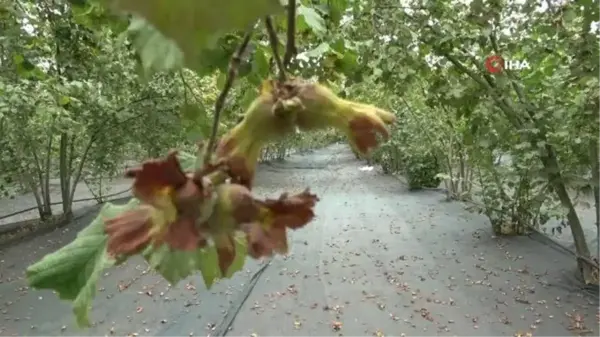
(249, 96)
(312, 19)
(73, 270)
(339, 46)
(196, 124)
(23, 63)
(221, 80)
(377, 72)
(198, 130)
(208, 263)
(193, 134)
(337, 9)
(64, 100)
(194, 24)
(241, 250)
(176, 265)
(193, 112)
(319, 50)
(260, 64)
(156, 51)
(569, 15)
(348, 63)
(25, 68)
(188, 161)
(173, 265)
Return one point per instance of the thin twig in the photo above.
(290, 46)
(234, 64)
(275, 47)
(189, 88)
(185, 99)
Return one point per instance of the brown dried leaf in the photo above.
(259, 244)
(172, 204)
(292, 212)
(184, 235)
(364, 130)
(129, 232)
(156, 174)
(239, 156)
(268, 233)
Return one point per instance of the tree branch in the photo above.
(187, 88)
(512, 78)
(275, 47)
(232, 71)
(290, 47)
(485, 82)
(467, 71)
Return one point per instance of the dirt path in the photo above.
(380, 260)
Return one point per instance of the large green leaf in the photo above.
(312, 19)
(173, 265)
(73, 271)
(241, 250)
(208, 264)
(193, 112)
(156, 51)
(260, 64)
(337, 9)
(193, 24)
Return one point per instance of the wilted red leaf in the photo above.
(226, 144)
(259, 244)
(364, 130)
(244, 208)
(292, 212)
(278, 238)
(241, 171)
(237, 154)
(269, 232)
(176, 200)
(129, 232)
(188, 197)
(169, 195)
(184, 235)
(156, 174)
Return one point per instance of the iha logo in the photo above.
(496, 63)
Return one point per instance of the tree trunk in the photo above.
(38, 200)
(65, 177)
(43, 176)
(595, 178)
(551, 165)
(46, 180)
(79, 171)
